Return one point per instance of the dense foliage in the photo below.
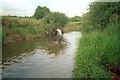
(41, 12)
(101, 13)
(56, 19)
(97, 52)
(99, 46)
(50, 19)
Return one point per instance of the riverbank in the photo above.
(72, 26)
(25, 28)
(20, 28)
(98, 49)
(97, 52)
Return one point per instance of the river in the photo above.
(40, 58)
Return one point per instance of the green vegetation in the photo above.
(72, 26)
(15, 29)
(41, 12)
(75, 19)
(100, 14)
(96, 52)
(98, 47)
(56, 19)
(51, 19)
(26, 28)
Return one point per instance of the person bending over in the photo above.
(59, 35)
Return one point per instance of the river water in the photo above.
(40, 58)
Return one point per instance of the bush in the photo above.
(56, 19)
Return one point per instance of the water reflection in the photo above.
(15, 49)
(45, 59)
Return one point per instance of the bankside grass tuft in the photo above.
(97, 51)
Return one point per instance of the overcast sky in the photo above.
(27, 7)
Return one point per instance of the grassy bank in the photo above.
(26, 28)
(97, 51)
(21, 28)
(72, 26)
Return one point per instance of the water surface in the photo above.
(41, 58)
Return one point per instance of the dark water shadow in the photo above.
(48, 44)
(48, 59)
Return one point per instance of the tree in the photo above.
(100, 12)
(56, 19)
(41, 12)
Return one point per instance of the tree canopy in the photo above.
(56, 19)
(41, 12)
(51, 19)
(101, 13)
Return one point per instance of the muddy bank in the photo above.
(16, 38)
(19, 29)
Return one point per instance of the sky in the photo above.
(27, 7)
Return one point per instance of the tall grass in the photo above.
(14, 28)
(97, 51)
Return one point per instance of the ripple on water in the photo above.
(47, 61)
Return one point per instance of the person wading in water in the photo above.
(59, 35)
